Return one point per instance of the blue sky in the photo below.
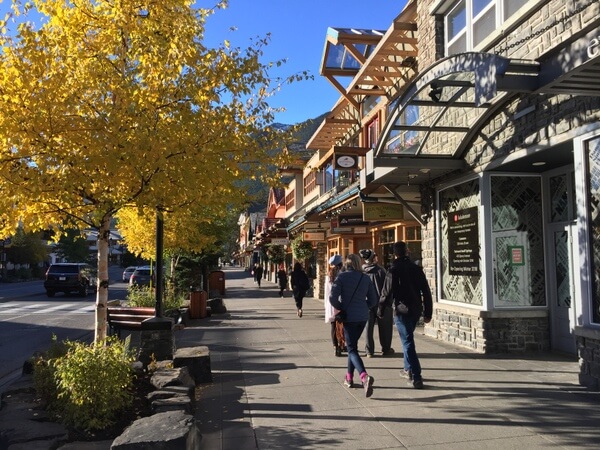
(298, 30)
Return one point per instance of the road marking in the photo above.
(16, 309)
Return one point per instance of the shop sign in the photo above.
(360, 230)
(463, 242)
(351, 220)
(280, 241)
(382, 211)
(313, 236)
(340, 230)
(516, 255)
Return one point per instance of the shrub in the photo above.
(44, 371)
(144, 296)
(92, 383)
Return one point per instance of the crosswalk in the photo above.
(20, 308)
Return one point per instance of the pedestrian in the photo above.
(353, 294)
(253, 272)
(300, 285)
(282, 279)
(335, 265)
(406, 283)
(381, 314)
(258, 272)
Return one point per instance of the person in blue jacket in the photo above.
(353, 293)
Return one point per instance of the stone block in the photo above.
(174, 430)
(178, 376)
(197, 360)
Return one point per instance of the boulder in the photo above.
(174, 430)
(197, 360)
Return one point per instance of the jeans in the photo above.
(406, 325)
(352, 332)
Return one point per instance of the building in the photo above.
(471, 130)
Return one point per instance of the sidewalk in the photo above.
(277, 384)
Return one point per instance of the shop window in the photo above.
(412, 236)
(593, 196)
(329, 177)
(372, 133)
(386, 244)
(469, 22)
(461, 267)
(517, 242)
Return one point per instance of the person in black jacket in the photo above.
(381, 314)
(406, 283)
(300, 285)
(282, 279)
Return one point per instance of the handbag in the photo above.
(401, 308)
(342, 316)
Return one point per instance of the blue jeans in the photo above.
(352, 333)
(406, 325)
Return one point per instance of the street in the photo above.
(29, 319)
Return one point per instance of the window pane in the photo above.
(479, 5)
(593, 194)
(456, 21)
(511, 7)
(458, 46)
(484, 26)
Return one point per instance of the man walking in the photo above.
(382, 312)
(406, 284)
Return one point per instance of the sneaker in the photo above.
(406, 374)
(391, 351)
(368, 386)
(418, 384)
(349, 383)
(299, 313)
(369, 355)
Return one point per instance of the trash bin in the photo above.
(198, 304)
(216, 282)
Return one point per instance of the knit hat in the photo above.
(366, 254)
(335, 260)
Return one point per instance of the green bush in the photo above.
(144, 296)
(44, 371)
(92, 383)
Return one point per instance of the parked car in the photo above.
(128, 272)
(70, 277)
(142, 276)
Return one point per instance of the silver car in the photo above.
(127, 273)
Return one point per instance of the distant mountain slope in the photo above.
(304, 132)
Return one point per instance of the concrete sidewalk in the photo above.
(277, 384)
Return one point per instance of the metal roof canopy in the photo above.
(476, 83)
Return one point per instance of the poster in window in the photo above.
(463, 242)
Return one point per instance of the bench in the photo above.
(128, 318)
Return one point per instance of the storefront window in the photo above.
(412, 236)
(593, 195)
(517, 241)
(386, 244)
(461, 265)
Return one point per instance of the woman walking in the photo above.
(335, 265)
(353, 293)
(300, 285)
(282, 279)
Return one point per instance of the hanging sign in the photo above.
(382, 211)
(313, 236)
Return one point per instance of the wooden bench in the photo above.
(128, 318)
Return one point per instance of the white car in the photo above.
(128, 272)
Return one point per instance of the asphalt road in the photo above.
(29, 319)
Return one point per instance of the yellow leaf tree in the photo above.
(113, 104)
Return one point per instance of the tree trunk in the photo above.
(102, 282)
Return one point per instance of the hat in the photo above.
(366, 254)
(335, 260)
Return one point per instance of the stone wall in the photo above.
(588, 350)
(491, 331)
